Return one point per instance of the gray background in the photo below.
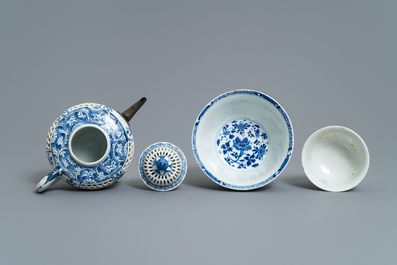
(325, 62)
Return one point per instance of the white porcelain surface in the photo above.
(335, 158)
(89, 145)
(262, 139)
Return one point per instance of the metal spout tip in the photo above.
(130, 112)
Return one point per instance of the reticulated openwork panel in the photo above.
(130, 155)
(49, 135)
(97, 186)
(162, 166)
(121, 146)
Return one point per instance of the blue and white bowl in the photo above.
(162, 166)
(243, 139)
(90, 146)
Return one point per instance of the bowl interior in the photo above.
(335, 158)
(242, 140)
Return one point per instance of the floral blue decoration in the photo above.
(162, 165)
(119, 134)
(290, 136)
(167, 171)
(242, 143)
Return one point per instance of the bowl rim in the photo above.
(290, 139)
(337, 128)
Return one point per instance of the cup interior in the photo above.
(89, 145)
(335, 158)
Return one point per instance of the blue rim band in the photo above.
(290, 144)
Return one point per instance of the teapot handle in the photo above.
(49, 180)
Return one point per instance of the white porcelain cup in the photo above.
(335, 158)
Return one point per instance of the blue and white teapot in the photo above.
(90, 146)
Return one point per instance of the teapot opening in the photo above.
(89, 145)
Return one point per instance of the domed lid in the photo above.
(162, 166)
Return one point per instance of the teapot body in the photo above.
(106, 126)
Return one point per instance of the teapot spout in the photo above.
(130, 112)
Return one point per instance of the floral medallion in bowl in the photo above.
(242, 139)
